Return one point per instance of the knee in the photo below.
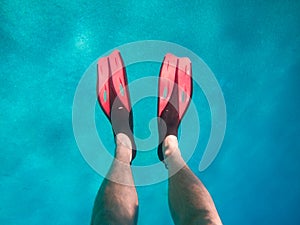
(115, 216)
(200, 217)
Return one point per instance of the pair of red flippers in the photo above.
(174, 95)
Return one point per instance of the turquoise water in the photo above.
(252, 47)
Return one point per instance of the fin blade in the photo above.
(166, 81)
(103, 93)
(184, 80)
(119, 78)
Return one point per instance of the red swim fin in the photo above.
(174, 95)
(113, 95)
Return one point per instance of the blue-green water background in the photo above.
(252, 47)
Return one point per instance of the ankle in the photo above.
(122, 140)
(123, 147)
(170, 146)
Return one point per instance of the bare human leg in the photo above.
(189, 201)
(117, 202)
